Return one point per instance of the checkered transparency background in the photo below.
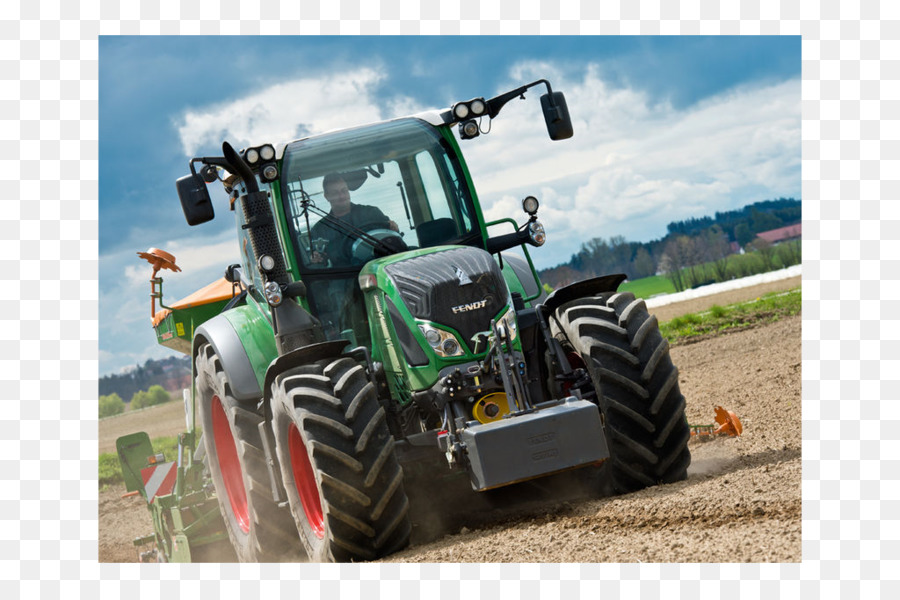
(49, 347)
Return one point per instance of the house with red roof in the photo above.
(782, 234)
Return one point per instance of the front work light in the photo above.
(266, 263)
(267, 152)
(270, 173)
(530, 205)
(468, 129)
(475, 107)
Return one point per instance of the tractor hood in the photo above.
(455, 290)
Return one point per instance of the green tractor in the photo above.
(378, 330)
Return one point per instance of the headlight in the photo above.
(461, 110)
(442, 342)
(477, 107)
(273, 293)
(510, 325)
(433, 338)
(450, 347)
(537, 233)
(252, 156)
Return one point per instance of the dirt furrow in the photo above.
(741, 501)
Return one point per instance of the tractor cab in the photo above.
(365, 193)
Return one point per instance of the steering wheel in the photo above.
(361, 250)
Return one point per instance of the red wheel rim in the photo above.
(230, 465)
(305, 482)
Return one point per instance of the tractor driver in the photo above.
(329, 242)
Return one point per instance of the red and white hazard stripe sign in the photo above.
(159, 480)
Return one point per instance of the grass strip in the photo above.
(732, 317)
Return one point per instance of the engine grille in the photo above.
(467, 279)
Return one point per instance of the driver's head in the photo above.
(337, 193)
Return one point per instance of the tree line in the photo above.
(743, 224)
(141, 377)
(695, 251)
(112, 404)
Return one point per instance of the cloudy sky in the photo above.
(666, 128)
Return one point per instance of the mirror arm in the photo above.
(507, 241)
(498, 102)
(215, 161)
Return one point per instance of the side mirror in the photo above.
(233, 273)
(556, 115)
(195, 201)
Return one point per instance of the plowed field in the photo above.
(740, 502)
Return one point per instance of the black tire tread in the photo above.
(359, 479)
(637, 388)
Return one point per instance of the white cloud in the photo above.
(279, 113)
(634, 165)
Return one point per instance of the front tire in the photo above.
(342, 478)
(636, 385)
(259, 531)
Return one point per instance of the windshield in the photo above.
(396, 185)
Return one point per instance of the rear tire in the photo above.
(342, 478)
(637, 388)
(259, 531)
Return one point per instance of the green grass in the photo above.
(738, 265)
(110, 471)
(648, 286)
(767, 309)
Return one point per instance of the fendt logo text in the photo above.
(467, 307)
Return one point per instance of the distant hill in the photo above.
(743, 224)
(172, 373)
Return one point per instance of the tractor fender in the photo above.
(526, 277)
(221, 334)
(302, 356)
(583, 289)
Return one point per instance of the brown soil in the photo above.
(741, 501)
(158, 421)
